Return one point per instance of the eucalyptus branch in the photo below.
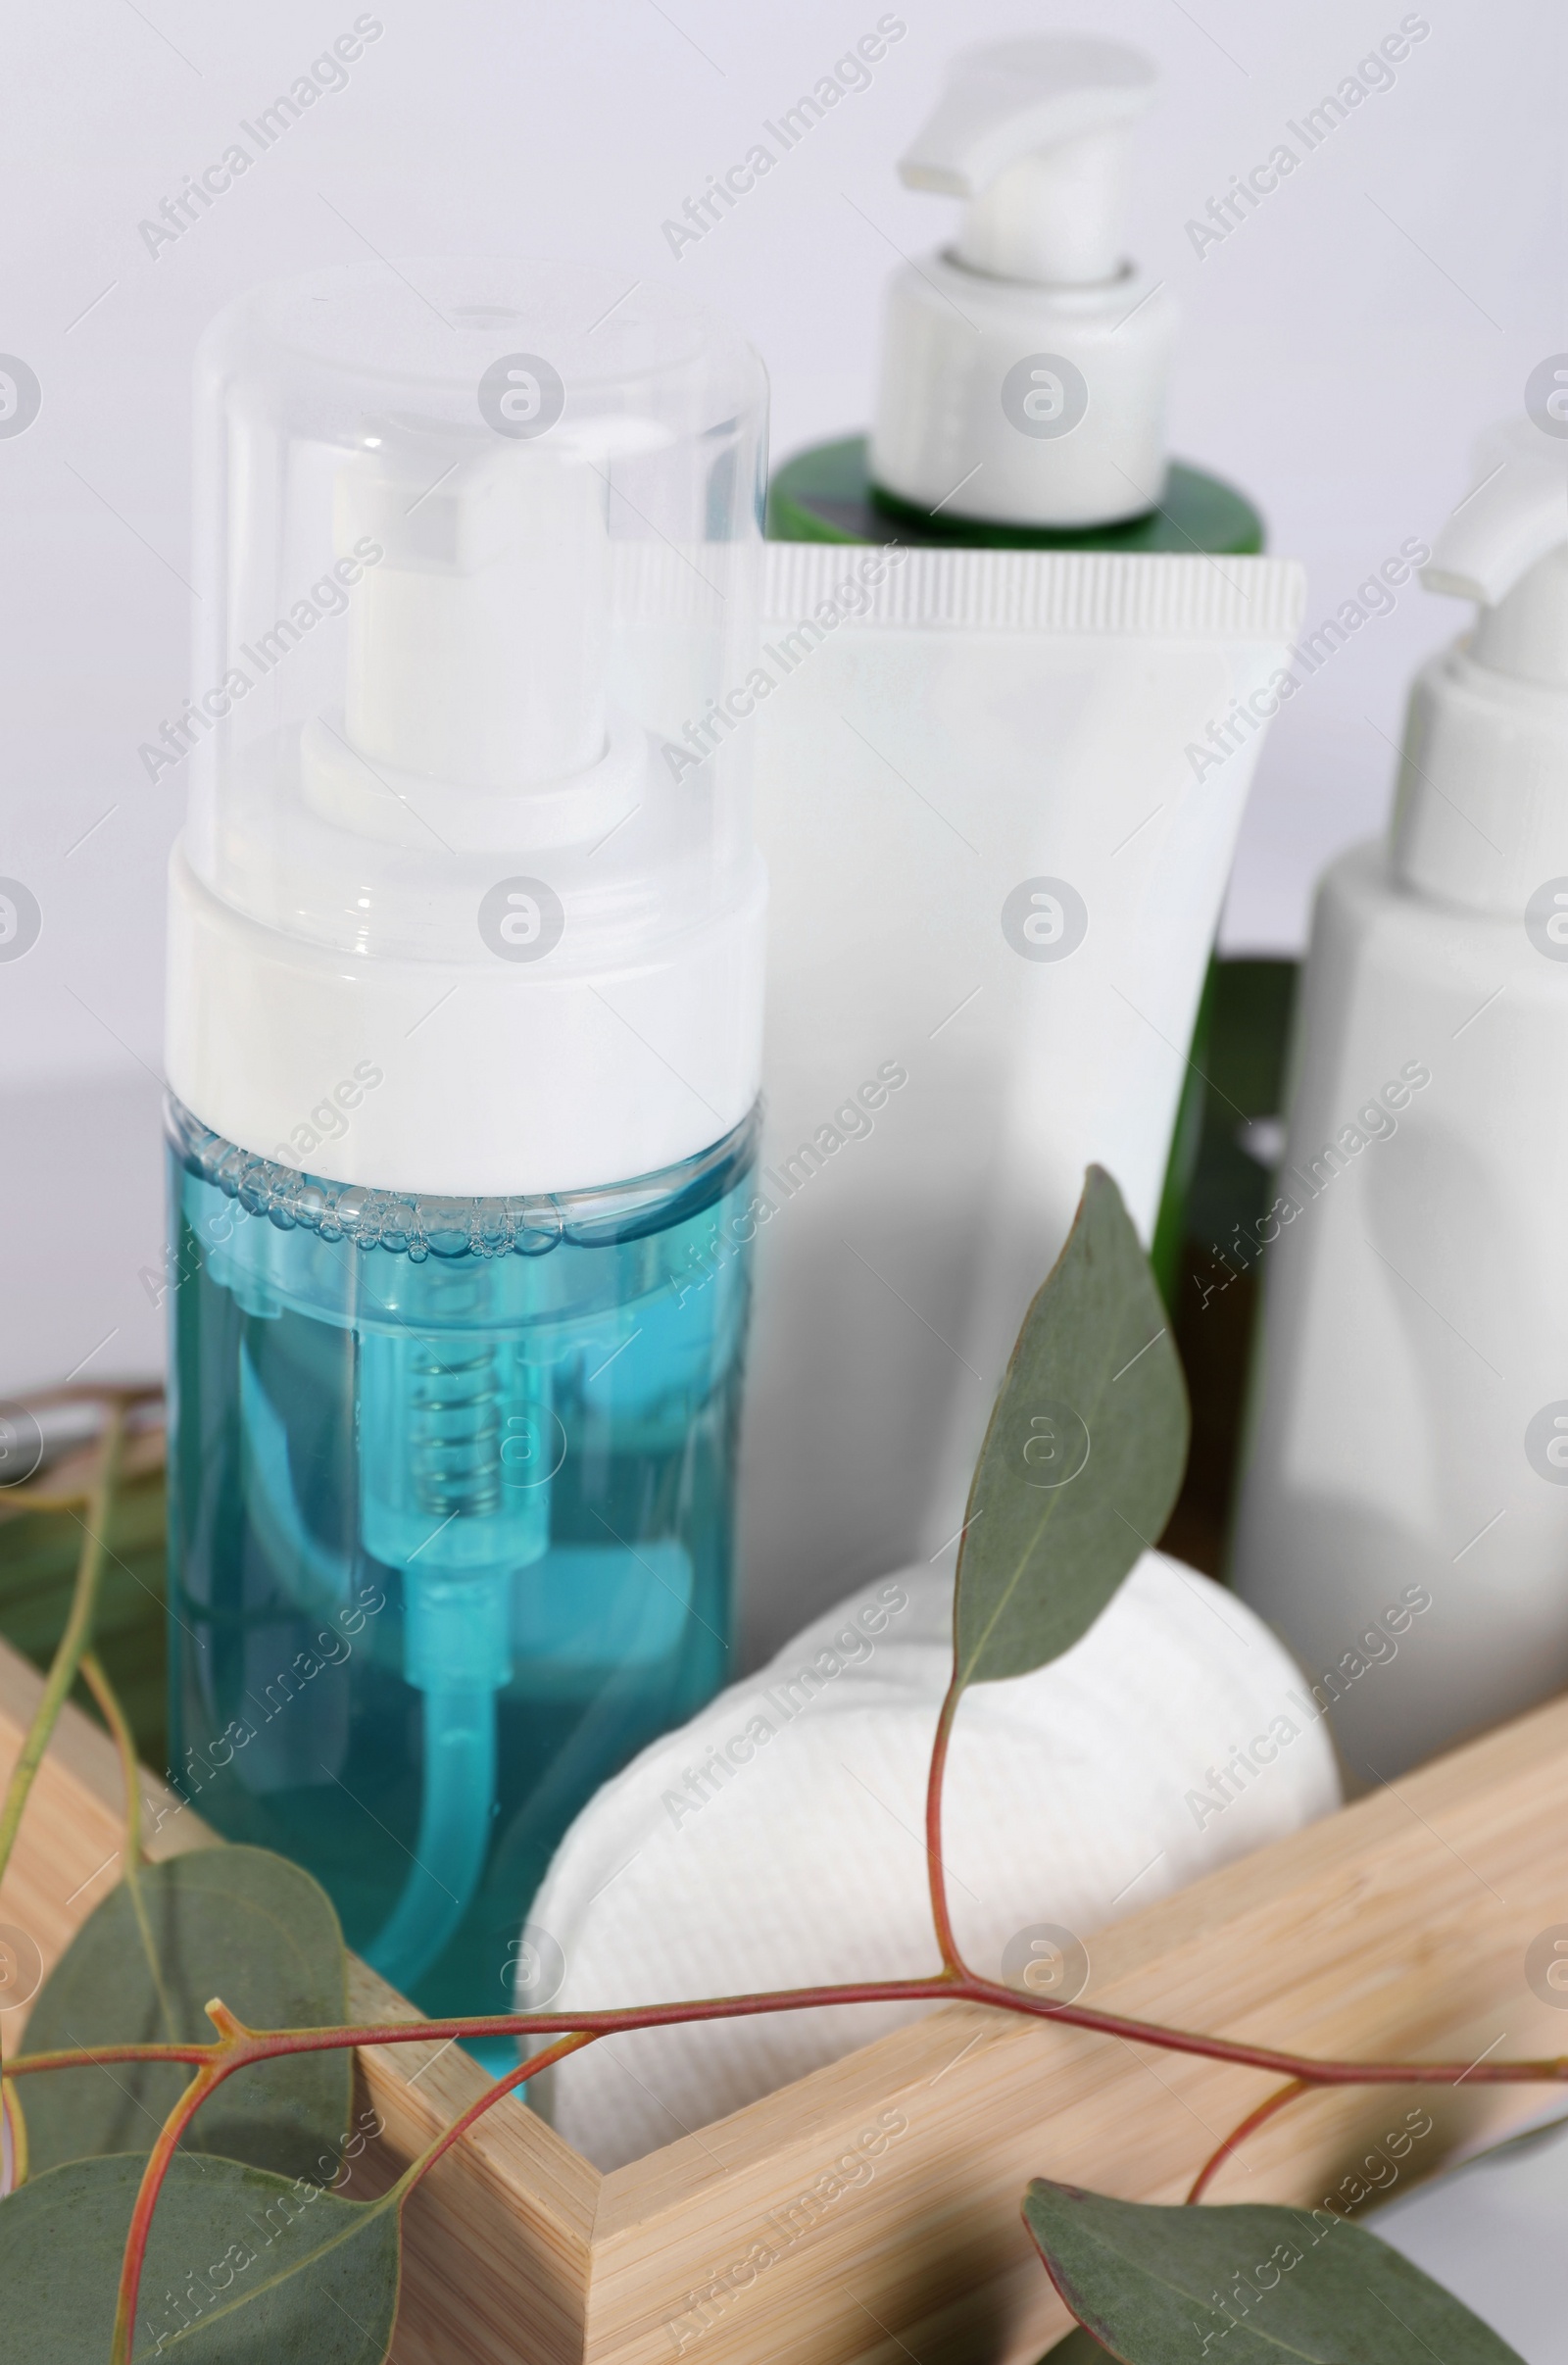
(953, 1961)
(234, 2043)
(132, 1855)
(1238, 2135)
(210, 2076)
(238, 2047)
(265, 2045)
(13, 2140)
(47, 1495)
(16, 1501)
(76, 1636)
(124, 1741)
(492, 2095)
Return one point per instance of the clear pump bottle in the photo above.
(464, 1047)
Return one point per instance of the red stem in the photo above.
(152, 2183)
(262, 2045)
(492, 2095)
(240, 2047)
(89, 2057)
(1238, 2134)
(953, 1961)
(247, 2046)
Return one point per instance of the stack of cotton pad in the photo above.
(776, 1841)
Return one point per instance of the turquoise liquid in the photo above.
(451, 1492)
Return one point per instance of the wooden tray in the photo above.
(1398, 1926)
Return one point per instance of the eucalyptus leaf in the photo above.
(1084, 1456)
(242, 2268)
(1255, 2285)
(232, 1922)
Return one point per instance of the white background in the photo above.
(1340, 351)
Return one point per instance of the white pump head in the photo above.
(1506, 548)
(507, 553)
(1023, 369)
(1482, 812)
(1035, 136)
(467, 901)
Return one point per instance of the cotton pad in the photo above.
(777, 1840)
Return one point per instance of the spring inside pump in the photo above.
(455, 1431)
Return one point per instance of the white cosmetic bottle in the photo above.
(1017, 671)
(1404, 1516)
(1024, 367)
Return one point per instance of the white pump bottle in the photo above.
(1409, 1437)
(1023, 369)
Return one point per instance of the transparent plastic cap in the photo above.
(478, 552)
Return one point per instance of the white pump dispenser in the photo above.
(1023, 371)
(507, 553)
(471, 558)
(1482, 816)
(1411, 1399)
